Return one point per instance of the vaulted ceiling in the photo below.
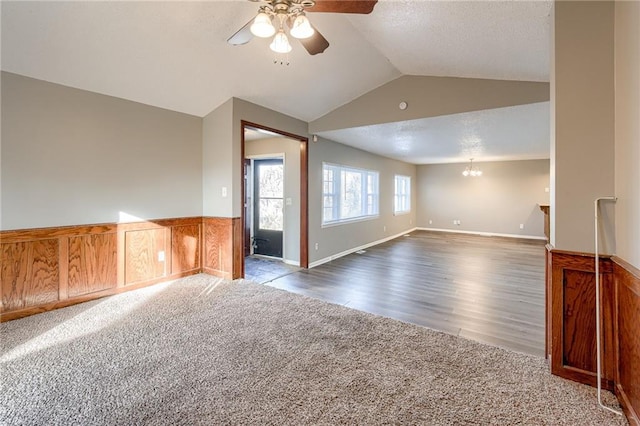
(174, 55)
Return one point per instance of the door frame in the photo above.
(304, 196)
(251, 158)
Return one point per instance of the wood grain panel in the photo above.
(141, 255)
(237, 249)
(573, 344)
(43, 273)
(579, 328)
(15, 260)
(92, 263)
(304, 203)
(218, 246)
(185, 248)
(547, 301)
(627, 280)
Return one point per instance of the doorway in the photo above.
(268, 207)
(274, 214)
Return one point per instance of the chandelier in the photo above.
(286, 14)
(470, 171)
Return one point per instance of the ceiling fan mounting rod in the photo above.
(287, 7)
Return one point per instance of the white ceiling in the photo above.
(513, 133)
(174, 54)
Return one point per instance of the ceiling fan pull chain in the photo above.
(282, 59)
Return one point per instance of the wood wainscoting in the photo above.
(223, 247)
(573, 322)
(627, 321)
(48, 268)
(571, 337)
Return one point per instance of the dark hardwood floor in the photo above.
(489, 289)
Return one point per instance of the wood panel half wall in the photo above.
(627, 329)
(571, 330)
(223, 247)
(47, 268)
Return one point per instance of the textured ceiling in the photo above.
(501, 134)
(502, 40)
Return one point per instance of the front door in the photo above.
(268, 185)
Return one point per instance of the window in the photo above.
(348, 193)
(402, 199)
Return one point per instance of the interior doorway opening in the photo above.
(264, 207)
(274, 213)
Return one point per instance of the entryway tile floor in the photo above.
(263, 270)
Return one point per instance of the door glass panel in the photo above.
(271, 191)
(271, 181)
(271, 217)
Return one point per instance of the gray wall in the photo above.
(335, 239)
(73, 157)
(506, 196)
(291, 150)
(217, 162)
(582, 125)
(429, 97)
(627, 131)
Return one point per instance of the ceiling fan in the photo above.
(275, 16)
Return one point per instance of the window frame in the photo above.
(333, 189)
(398, 197)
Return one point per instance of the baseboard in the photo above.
(484, 234)
(291, 262)
(355, 249)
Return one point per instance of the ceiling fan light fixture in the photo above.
(280, 43)
(301, 27)
(262, 26)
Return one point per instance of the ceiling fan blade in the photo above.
(242, 36)
(316, 43)
(344, 6)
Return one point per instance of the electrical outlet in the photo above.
(546, 190)
(430, 222)
(522, 226)
(224, 192)
(316, 246)
(161, 256)
(455, 222)
(384, 228)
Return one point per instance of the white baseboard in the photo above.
(484, 234)
(291, 262)
(355, 249)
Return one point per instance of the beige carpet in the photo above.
(202, 351)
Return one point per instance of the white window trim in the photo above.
(395, 195)
(337, 190)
